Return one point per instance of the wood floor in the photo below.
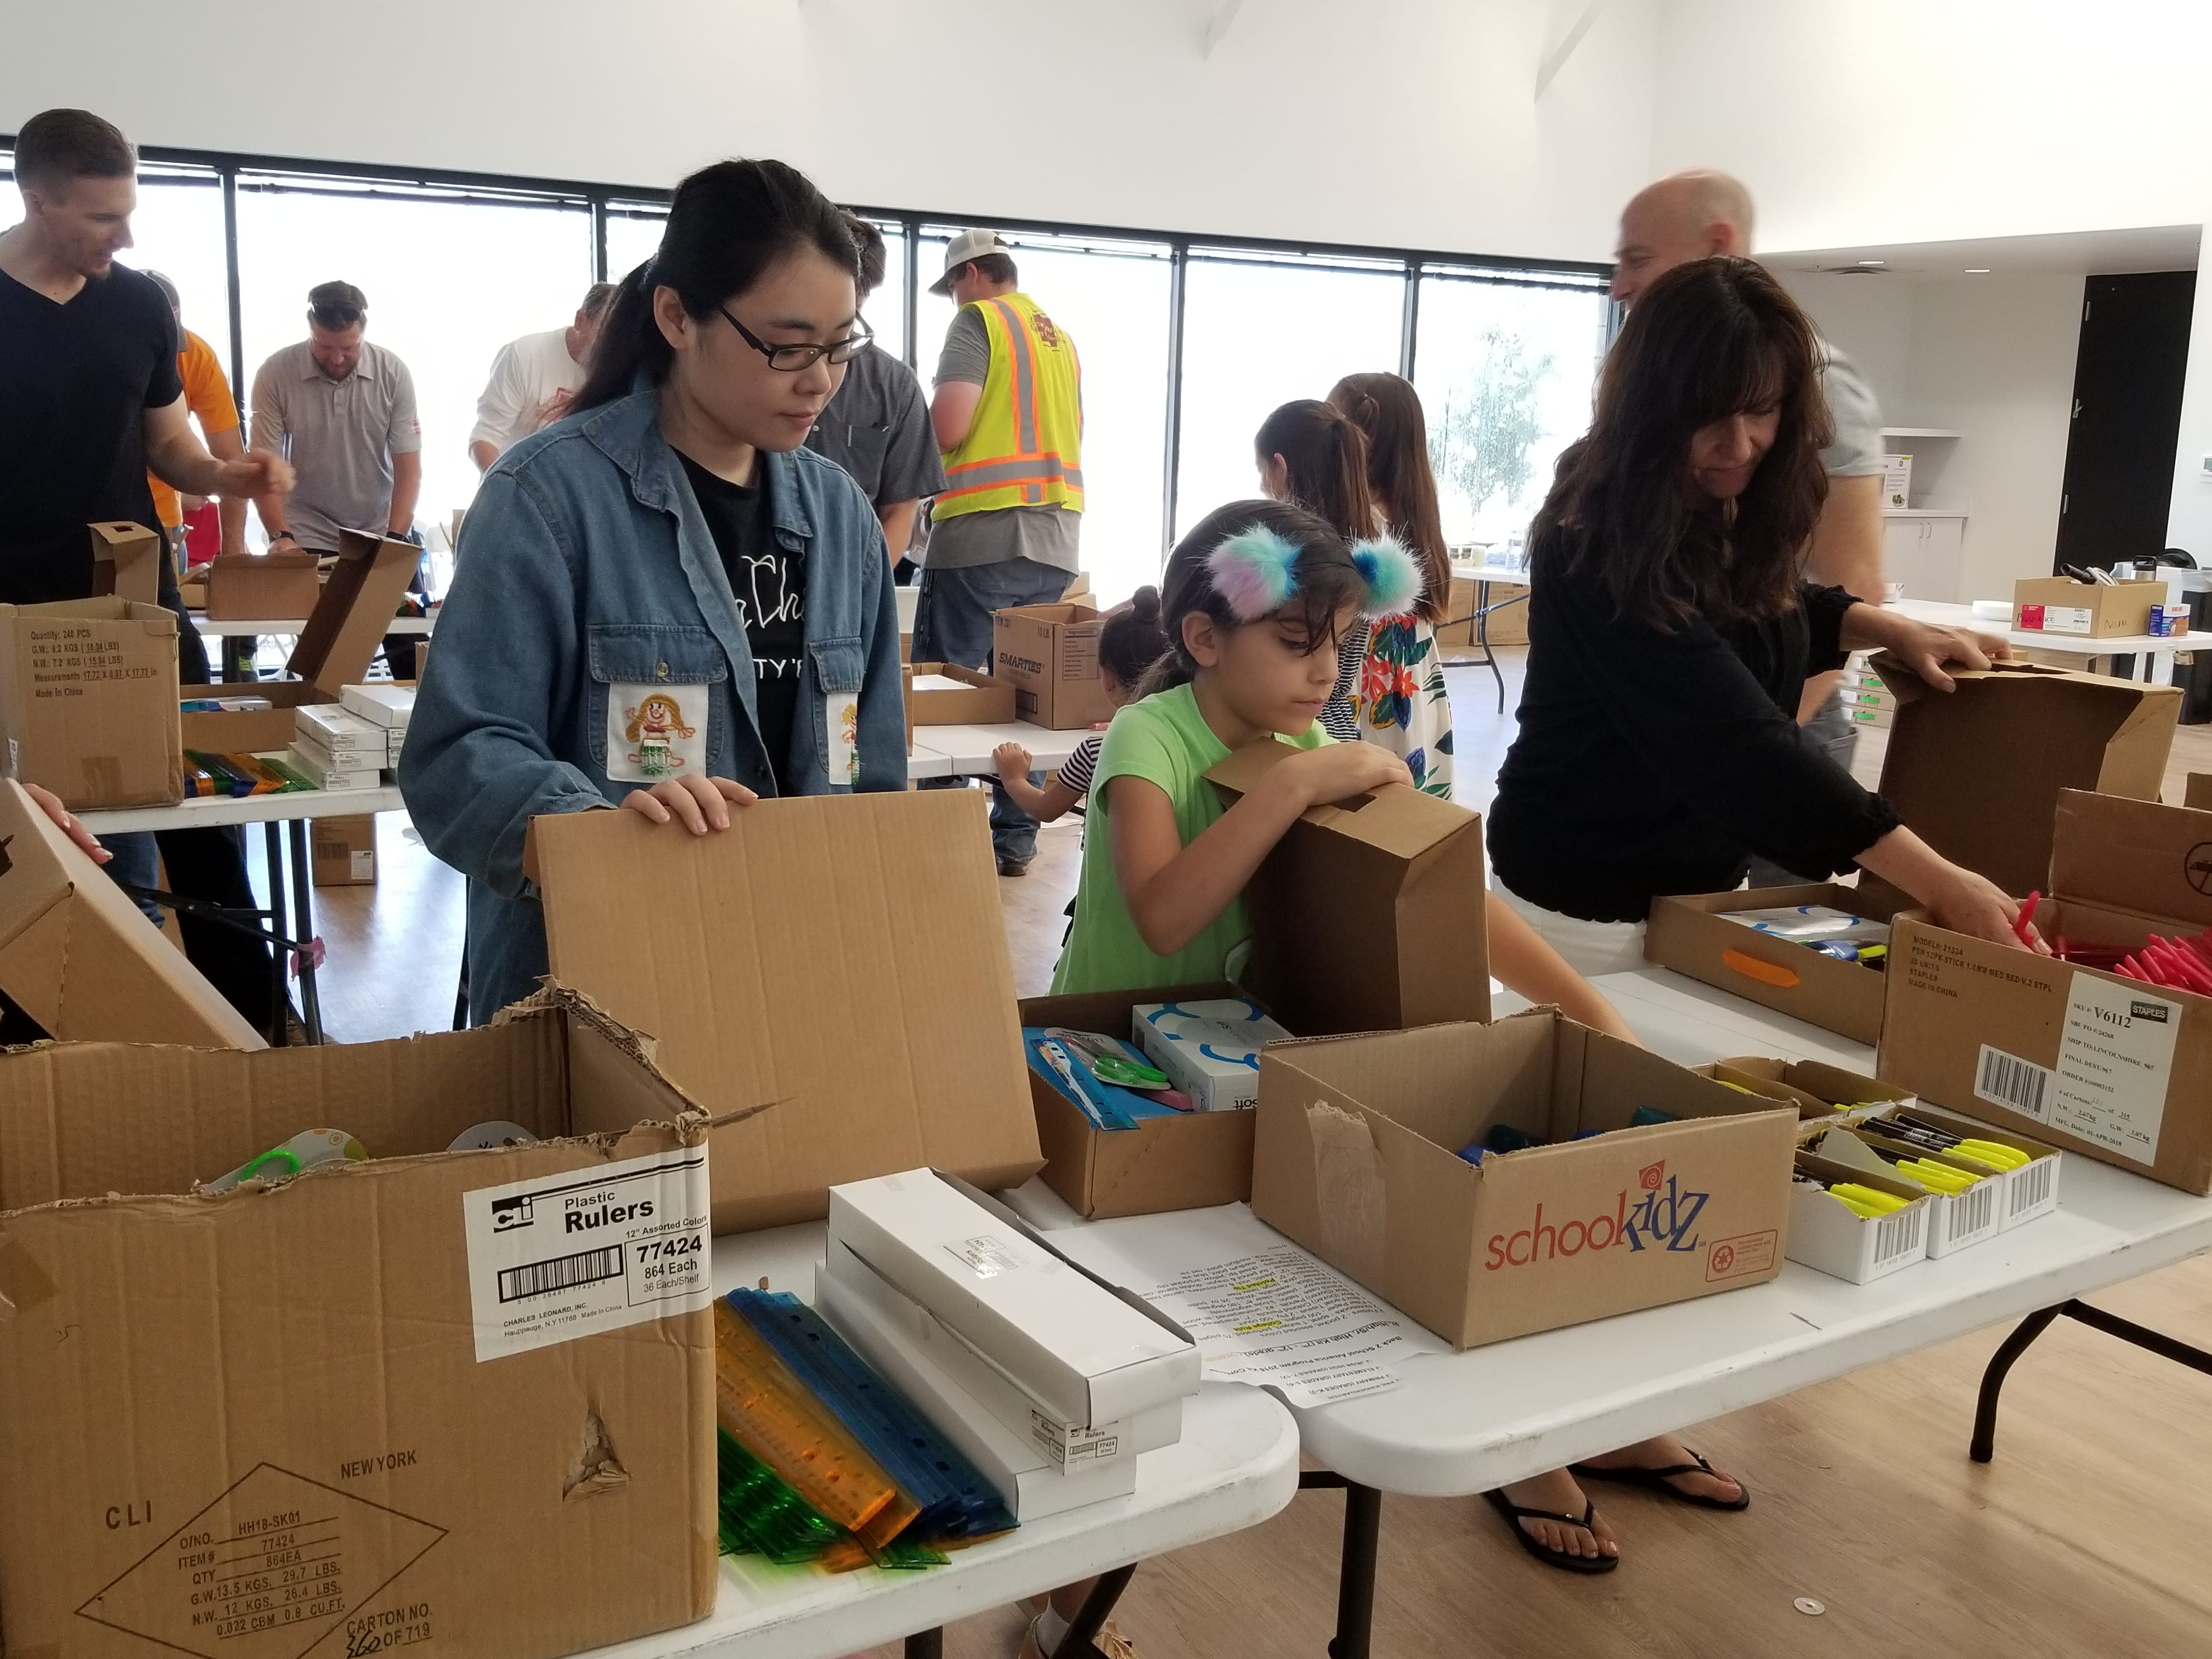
(2086, 1538)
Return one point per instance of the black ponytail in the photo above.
(728, 224)
(1131, 641)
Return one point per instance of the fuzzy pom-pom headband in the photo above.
(1255, 571)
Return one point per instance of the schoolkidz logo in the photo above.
(1665, 1218)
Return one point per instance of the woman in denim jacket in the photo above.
(664, 603)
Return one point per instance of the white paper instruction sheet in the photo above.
(2115, 1060)
(1261, 1310)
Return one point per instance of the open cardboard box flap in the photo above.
(837, 959)
(79, 957)
(126, 560)
(1977, 771)
(1323, 960)
(2134, 855)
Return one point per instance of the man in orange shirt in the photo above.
(207, 396)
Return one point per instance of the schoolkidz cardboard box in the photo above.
(839, 960)
(1357, 1157)
(2088, 1061)
(2059, 604)
(89, 700)
(257, 586)
(1049, 654)
(1370, 914)
(126, 561)
(334, 649)
(78, 956)
(457, 1402)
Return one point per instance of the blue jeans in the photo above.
(952, 623)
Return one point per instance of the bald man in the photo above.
(1694, 215)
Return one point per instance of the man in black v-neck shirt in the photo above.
(769, 581)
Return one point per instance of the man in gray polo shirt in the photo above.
(341, 410)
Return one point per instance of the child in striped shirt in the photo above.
(1129, 643)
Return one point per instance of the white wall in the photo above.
(1399, 122)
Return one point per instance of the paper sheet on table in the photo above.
(1261, 1310)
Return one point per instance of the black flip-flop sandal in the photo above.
(1563, 1559)
(1662, 1481)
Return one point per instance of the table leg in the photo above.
(303, 887)
(1098, 1606)
(926, 1644)
(1482, 638)
(2126, 1330)
(1355, 1587)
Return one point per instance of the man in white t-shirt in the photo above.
(533, 378)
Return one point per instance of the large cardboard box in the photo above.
(344, 1415)
(972, 698)
(334, 649)
(1370, 914)
(2059, 604)
(345, 851)
(1050, 654)
(839, 960)
(78, 956)
(2088, 1061)
(1357, 1159)
(126, 561)
(1691, 934)
(1186, 1161)
(89, 700)
(1978, 771)
(258, 587)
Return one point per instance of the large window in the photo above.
(178, 231)
(1112, 297)
(1504, 366)
(450, 277)
(633, 237)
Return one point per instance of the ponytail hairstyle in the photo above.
(728, 224)
(1325, 456)
(1387, 408)
(1255, 561)
(1131, 641)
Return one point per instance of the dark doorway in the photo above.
(2127, 417)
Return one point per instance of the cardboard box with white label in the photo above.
(2094, 610)
(403, 1402)
(2089, 1061)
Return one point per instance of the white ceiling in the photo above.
(2079, 253)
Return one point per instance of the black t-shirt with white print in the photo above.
(769, 581)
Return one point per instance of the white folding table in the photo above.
(966, 749)
(2156, 650)
(1466, 1423)
(1235, 1465)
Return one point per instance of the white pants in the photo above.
(1591, 948)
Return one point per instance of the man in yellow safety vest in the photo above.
(1008, 414)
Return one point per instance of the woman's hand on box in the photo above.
(1926, 647)
(50, 804)
(698, 803)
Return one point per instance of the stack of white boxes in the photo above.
(387, 707)
(1052, 1384)
(1866, 699)
(338, 750)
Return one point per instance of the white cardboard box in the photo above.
(1896, 482)
(342, 731)
(381, 704)
(1827, 1236)
(325, 770)
(1209, 1050)
(1033, 1487)
(2028, 1191)
(1091, 1356)
(1954, 1219)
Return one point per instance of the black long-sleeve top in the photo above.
(1653, 762)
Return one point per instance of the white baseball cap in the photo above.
(968, 245)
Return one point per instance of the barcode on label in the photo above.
(2007, 1080)
(563, 1272)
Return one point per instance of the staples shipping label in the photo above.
(587, 1251)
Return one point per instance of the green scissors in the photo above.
(1109, 1062)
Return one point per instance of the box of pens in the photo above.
(2024, 1171)
(1121, 1136)
(1852, 1224)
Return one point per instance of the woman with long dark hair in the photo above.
(663, 602)
(1670, 634)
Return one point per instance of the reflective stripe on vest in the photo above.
(1025, 446)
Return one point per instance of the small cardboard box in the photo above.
(2059, 604)
(1185, 1161)
(1690, 932)
(1089, 1354)
(1369, 915)
(126, 561)
(1896, 482)
(263, 586)
(1830, 1088)
(334, 649)
(354, 771)
(839, 958)
(972, 698)
(1049, 654)
(1208, 1047)
(89, 700)
(264, 1423)
(1955, 1220)
(2094, 1062)
(1357, 1159)
(340, 732)
(2029, 1191)
(345, 851)
(77, 955)
(1829, 1238)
